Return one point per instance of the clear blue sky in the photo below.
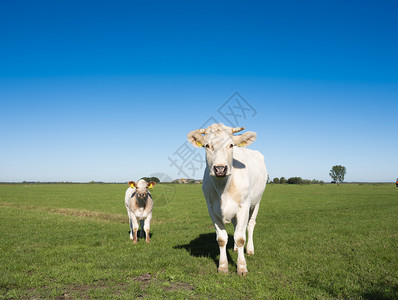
(107, 91)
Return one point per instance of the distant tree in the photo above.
(149, 179)
(276, 180)
(282, 180)
(295, 180)
(337, 173)
(155, 179)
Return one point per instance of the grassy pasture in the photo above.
(71, 241)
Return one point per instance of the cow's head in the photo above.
(141, 188)
(219, 141)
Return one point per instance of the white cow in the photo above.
(139, 204)
(233, 183)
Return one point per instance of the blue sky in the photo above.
(107, 91)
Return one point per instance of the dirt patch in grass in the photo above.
(146, 279)
(83, 290)
(178, 286)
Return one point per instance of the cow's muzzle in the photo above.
(141, 195)
(220, 171)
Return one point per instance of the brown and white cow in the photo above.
(233, 183)
(139, 204)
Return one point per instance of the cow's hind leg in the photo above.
(131, 229)
(234, 223)
(141, 231)
(250, 228)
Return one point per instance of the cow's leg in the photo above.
(234, 223)
(250, 228)
(222, 240)
(221, 237)
(130, 224)
(147, 226)
(240, 238)
(141, 230)
(135, 228)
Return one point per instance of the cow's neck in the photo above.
(220, 185)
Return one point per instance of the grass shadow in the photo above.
(205, 245)
(382, 292)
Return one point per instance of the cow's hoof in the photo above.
(134, 242)
(235, 249)
(223, 270)
(250, 252)
(242, 271)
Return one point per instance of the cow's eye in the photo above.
(230, 146)
(207, 146)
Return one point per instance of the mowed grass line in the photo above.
(310, 242)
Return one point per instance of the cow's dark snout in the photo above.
(220, 171)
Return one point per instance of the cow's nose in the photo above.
(220, 171)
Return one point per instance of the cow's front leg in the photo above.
(222, 240)
(130, 223)
(240, 238)
(147, 224)
(135, 228)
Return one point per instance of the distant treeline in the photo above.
(295, 180)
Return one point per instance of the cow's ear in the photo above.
(151, 184)
(196, 138)
(245, 139)
(131, 184)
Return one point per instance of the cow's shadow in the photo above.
(205, 245)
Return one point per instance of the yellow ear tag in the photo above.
(132, 186)
(242, 144)
(150, 186)
(199, 144)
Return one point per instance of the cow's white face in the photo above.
(219, 141)
(141, 188)
(219, 153)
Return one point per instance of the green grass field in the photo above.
(313, 241)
